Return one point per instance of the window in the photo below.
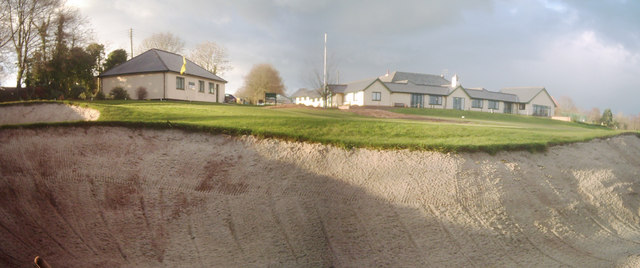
(417, 100)
(435, 100)
(180, 83)
(211, 88)
(493, 105)
(458, 103)
(540, 110)
(476, 103)
(376, 96)
(192, 85)
(201, 86)
(522, 106)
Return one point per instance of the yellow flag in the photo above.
(184, 65)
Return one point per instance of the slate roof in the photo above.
(491, 95)
(358, 85)
(418, 89)
(303, 92)
(416, 78)
(525, 94)
(155, 60)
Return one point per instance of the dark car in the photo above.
(228, 98)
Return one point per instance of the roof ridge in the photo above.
(160, 58)
(157, 49)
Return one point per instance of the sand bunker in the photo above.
(47, 112)
(106, 196)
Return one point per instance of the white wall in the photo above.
(541, 99)
(152, 82)
(193, 94)
(385, 95)
(354, 98)
(458, 93)
(404, 98)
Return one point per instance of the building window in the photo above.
(435, 100)
(180, 83)
(458, 103)
(211, 88)
(493, 105)
(540, 110)
(376, 96)
(522, 106)
(201, 86)
(476, 103)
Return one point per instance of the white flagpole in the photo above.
(324, 77)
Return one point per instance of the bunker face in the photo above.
(101, 196)
(45, 112)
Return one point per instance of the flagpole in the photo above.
(324, 76)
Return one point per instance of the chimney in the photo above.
(455, 81)
(387, 73)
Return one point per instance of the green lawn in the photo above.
(476, 132)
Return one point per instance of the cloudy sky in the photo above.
(588, 50)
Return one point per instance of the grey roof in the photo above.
(358, 85)
(418, 89)
(303, 92)
(491, 95)
(155, 60)
(525, 94)
(416, 78)
(337, 88)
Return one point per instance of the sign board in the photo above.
(270, 95)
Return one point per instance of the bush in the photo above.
(118, 93)
(141, 92)
(76, 91)
(100, 95)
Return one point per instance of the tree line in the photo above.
(48, 47)
(566, 107)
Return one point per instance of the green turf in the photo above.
(476, 132)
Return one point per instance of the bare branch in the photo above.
(212, 57)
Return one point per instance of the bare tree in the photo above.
(566, 106)
(263, 78)
(164, 41)
(23, 17)
(594, 116)
(212, 57)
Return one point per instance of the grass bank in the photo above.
(476, 132)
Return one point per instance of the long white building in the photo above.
(403, 89)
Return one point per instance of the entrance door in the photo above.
(458, 103)
(508, 107)
(416, 100)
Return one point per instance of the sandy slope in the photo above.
(49, 112)
(105, 196)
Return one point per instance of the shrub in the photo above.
(76, 91)
(118, 93)
(141, 92)
(100, 95)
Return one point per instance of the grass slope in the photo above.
(477, 132)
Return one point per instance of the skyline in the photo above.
(586, 50)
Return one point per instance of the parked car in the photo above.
(228, 98)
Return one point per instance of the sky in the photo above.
(588, 50)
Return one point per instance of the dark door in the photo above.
(416, 100)
(508, 107)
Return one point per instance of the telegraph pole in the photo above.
(131, 40)
(324, 76)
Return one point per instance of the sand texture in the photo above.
(48, 112)
(117, 197)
